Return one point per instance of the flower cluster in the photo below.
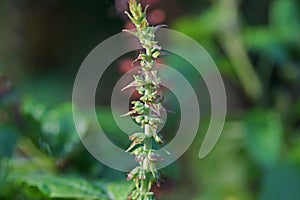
(147, 110)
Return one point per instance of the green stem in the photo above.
(147, 148)
(145, 174)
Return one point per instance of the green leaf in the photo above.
(284, 17)
(31, 161)
(59, 130)
(119, 190)
(207, 24)
(3, 171)
(32, 108)
(260, 38)
(281, 182)
(75, 188)
(264, 136)
(8, 139)
(63, 187)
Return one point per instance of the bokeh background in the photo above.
(256, 46)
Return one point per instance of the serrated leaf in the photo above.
(119, 190)
(63, 187)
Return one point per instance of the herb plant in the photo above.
(147, 110)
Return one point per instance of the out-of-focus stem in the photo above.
(232, 43)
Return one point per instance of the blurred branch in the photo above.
(234, 48)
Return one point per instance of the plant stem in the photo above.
(147, 109)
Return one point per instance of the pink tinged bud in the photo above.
(129, 177)
(158, 184)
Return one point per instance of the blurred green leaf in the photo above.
(63, 187)
(267, 42)
(285, 20)
(259, 37)
(283, 31)
(3, 171)
(28, 159)
(281, 183)
(264, 136)
(294, 153)
(223, 174)
(207, 25)
(119, 190)
(32, 108)
(8, 139)
(203, 28)
(59, 130)
(53, 186)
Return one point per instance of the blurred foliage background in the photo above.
(255, 44)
